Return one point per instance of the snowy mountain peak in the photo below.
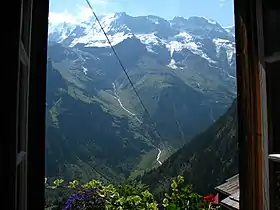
(193, 34)
(194, 20)
(122, 22)
(202, 20)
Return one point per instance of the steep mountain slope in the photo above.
(82, 136)
(205, 161)
(99, 131)
(183, 69)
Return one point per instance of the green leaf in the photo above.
(58, 182)
(137, 199)
(73, 185)
(121, 200)
(167, 196)
(180, 179)
(174, 185)
(165, 202)
(152, 206)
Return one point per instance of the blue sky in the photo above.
(219, 10)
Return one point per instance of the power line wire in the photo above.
(131, 83)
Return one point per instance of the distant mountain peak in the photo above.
(199, 19)
(115, 15)
(154, 32)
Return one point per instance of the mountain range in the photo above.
(182, 69)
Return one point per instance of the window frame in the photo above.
(27, 47)
(245, 12)
(255, 114)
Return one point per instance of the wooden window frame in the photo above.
(22, 103)
(270, 64)
(26, 73)
(255, 124)
(252, 134)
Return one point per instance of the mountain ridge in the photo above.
(186, 83)
(120, 26)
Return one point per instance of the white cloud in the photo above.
(59, 17)
(83, 13)
(65, 16)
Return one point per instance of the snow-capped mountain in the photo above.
(154, 32)
(183, 70)
(197, 50)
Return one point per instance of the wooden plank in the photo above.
(235, 196)
(233, 178)
(229, 187)
(262, 125)
(230, 203)
(265, 138)
(249, 105)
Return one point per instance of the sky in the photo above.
(218, 10)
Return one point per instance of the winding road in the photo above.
(117, 97)
(158, 156)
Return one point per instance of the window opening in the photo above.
(122, 76)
